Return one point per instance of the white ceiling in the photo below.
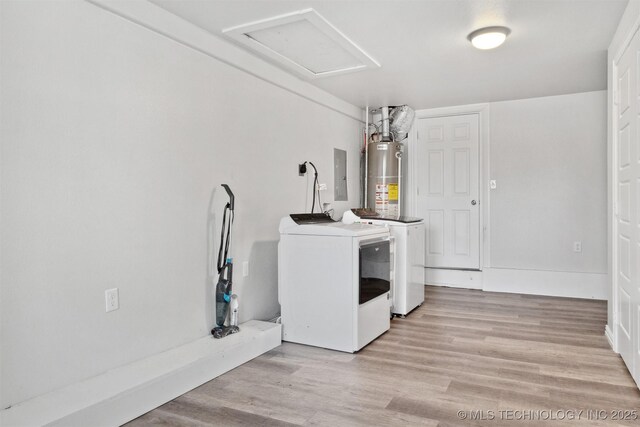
(555, 47)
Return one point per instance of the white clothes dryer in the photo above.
(333, 282)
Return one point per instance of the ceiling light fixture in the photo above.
(489, 37)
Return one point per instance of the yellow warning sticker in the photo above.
(393, 191)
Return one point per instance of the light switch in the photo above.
(493, 184)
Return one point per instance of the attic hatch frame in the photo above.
(242, 34)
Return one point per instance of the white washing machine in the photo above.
(333, 282)
(409, 235)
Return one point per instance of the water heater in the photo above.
(384, 159)
(384, 174)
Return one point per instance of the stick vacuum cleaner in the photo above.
(225, 273)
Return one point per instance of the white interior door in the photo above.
(627, 218)
(448, 188)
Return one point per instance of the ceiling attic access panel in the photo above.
(303, 42)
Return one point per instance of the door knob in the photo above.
(473, 202)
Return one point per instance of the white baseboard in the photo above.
(468, 279)
(122, 394)
(532, 282)
(551, 283)
(609, 334)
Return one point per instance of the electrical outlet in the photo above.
(111, 299)
(577, 246)
(322, 187)
(302, 169)
(245, 268)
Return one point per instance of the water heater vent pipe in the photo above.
(386, 135)
(366, 155)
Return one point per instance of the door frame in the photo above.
(482, 110)
(611, 331)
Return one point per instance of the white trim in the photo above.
(530, 282)
(609, 335)
(455, 110)
(485, 191)
(125, 393)
(483, 111)
(241, 33)
(468, 279)
(166, 24)
(613, 170)
(549, 283)
(614, 214)
(627, 41)
(614, 200)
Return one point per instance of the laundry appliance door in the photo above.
(375, 269)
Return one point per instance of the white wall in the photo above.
(114, 143)
(548, 156)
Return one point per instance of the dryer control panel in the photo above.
(310, 218)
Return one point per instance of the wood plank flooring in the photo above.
(511, 359)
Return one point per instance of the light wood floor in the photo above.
(462, 350)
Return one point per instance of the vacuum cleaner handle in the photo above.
(231, 197)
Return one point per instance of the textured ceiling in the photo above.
(556, 46)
